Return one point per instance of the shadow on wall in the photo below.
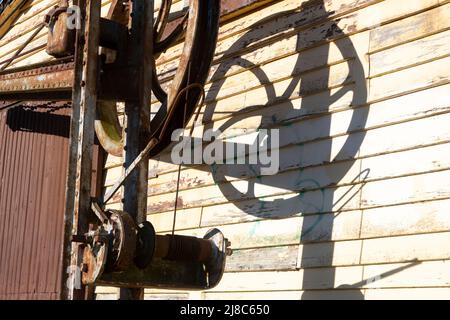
(46, 118)
(311, 163)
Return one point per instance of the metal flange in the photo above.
(215, 266)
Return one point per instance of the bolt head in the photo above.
(85, 267)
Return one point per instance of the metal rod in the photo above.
(152, 143)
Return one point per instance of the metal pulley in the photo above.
(95, 254)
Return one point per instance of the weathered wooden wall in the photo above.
(360, 91)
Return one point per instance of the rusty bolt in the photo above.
(78, 238)
(85, 268)
(228, 250)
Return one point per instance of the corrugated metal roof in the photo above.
(33, 166)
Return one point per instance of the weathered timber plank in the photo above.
(259, 296)
(289, 280)
(271, 258)
(410, 79)
(407, 294)
(409, 54)
(430, 216)
(411, 28)
(408, 189)
(420, 247)
(425, 274)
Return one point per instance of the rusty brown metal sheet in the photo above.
(33, 164)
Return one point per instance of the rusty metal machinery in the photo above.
(106, 61)
(117, 246)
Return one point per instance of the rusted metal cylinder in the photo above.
(183, 248)
(184, 273)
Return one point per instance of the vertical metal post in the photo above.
(78, 190)
(137, 117)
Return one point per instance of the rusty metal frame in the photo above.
(78, 192)
(37, 82)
